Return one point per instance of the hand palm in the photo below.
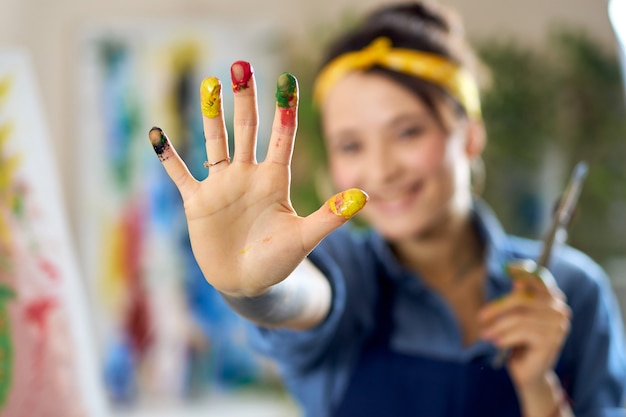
(243, 230)
(243, 218)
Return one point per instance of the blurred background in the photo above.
(152, 338)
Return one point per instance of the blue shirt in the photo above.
(317, 364)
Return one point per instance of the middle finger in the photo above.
(246, 120)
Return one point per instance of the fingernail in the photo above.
(287, 91)
(240, 75)
(159, 142)
(287, 98)
(211, 97)
(347, 203)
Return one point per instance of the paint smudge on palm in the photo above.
(160, 143)
(287, 98)
(211, 97)
(241, 74)
(265, 240)
(347, 203)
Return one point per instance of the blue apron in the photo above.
(391, 384)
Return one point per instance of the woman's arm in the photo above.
(244, 233)
(300, 302)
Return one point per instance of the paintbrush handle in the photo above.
(563, 215)
(560, 221)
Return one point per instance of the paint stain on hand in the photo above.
(347, 203)
(287, 98)
(160, 142)
(211, 97)
(240, 75)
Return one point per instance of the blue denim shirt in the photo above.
(316, 364)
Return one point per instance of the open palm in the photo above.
(243, 230)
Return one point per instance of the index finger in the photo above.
(172, 162)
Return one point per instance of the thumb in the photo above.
(531, 276)
(336, 211)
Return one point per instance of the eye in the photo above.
(346, 144)
(411, 132)
(348, 147)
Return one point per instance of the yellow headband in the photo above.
(430, 67)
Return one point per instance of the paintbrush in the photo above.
(557, 233)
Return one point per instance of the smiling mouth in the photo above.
(395, 202)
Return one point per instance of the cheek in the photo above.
(344, 175)
(430, 159)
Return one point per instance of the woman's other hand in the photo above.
(531, 322)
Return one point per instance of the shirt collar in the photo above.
(497, 251)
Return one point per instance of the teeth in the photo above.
(395, 197)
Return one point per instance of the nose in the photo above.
(383, 165)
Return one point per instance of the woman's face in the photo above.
(382, 138)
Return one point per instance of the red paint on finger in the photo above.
(288, 117)
(241, 74)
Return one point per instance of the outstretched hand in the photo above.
(244, 232)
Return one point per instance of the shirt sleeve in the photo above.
(595, 350)
(344, 260)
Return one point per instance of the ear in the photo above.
(476, 139)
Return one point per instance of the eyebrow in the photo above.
(404, 117)
(413, 116)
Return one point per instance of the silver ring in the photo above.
(208, 164)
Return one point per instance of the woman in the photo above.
(409, 317)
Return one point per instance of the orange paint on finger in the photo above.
(347, 203)
(211, 97)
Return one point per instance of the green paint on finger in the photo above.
(286, 91)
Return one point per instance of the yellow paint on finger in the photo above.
(347, 203)
(211, 97)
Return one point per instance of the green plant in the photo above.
(565, 99)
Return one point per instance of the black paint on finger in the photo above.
(160, 142)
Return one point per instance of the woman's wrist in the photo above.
(544, 397)
(299, 302)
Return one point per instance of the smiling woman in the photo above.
(407, 317)
(392, 149)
